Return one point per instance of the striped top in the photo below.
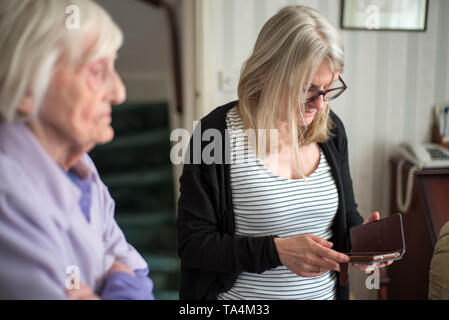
(267, 204)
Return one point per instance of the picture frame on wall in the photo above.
(393, 15)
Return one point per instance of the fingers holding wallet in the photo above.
(364, 267)
(375, 216)
(308, 255)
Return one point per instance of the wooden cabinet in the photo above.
(408, 278)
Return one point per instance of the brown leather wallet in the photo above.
(375, 242)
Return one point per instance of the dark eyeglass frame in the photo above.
(324, 92)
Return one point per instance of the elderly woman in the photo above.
(439, 267)
(273, 226)
(58, 236)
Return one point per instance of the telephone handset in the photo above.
(421, 156)
(425, 155)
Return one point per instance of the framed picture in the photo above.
(398, 15)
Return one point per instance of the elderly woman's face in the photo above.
(77, 106)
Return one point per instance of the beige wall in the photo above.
(145, 59)
(394, 78)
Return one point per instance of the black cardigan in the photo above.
(212, 256)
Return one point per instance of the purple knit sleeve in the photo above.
(123, 286)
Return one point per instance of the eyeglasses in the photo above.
(328, 95)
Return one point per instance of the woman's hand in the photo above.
(364, 267)
(308, 255)
(86, 293)
(119, 266)
(83, 293)
(375, 216)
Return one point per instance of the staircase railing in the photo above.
(176, 56)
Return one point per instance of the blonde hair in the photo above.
(34, 35)
(288, 52)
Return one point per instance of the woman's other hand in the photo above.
(119, 266)
(83, 293)
(375, 216)
(365, 267)
(308, 255)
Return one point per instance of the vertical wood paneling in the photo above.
(273, 7)
(442, 64)
(219, 51)
(351, 106)
(260, 16)
(365, 113)
(428, 53)
(227, 31)
(244, 30)
(395, 110)
(446, 54)
(411, 86)
(381, 122)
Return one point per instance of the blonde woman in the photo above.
(274, 226)
(58, 236)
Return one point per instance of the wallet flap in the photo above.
(386, 235)
(378, 237)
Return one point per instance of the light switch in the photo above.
(228, 81)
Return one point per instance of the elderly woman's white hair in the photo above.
(35, 34)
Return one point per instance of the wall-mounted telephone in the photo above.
(421, 156)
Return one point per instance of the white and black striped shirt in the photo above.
(267, 204)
